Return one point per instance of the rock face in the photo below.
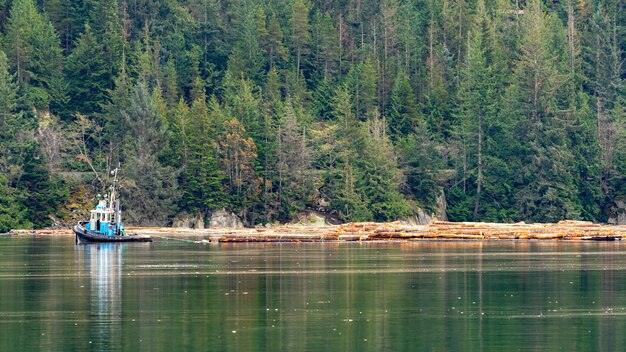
(315, 218)
(620, 214)
(189, 221)
(442, 206)
(222, 218)
(219, 218)
(422, 217)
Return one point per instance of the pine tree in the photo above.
(113, 119)
(477, 99)
(327, 45)
(87, 75)
(300, 32)
(42, 192)
(545, 184)
(8, 100)
(202, 185)
(339, 160)
(10, 165)
(403, 109)
(603, 65)
(276, 51)
(294, 162)
(107, 28)
(379, 179)
(13, 213)
(149, 188)
(33, 47)
(237, 155)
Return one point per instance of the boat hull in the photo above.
(82, 235)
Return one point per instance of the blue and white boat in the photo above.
(105, 222)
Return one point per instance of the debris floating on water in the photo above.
(395, 231)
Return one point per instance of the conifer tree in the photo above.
(10, 165)
(87, 75)
(150, 188)
(403, 110)
(33, 47)
(477, 98)
(275, 48)
(13, 213)
(294, 160)
(202, 185)
(545, 184)
(300, 32)
(237, 155)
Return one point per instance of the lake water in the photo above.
(175, 295)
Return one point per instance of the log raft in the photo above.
(393, 231)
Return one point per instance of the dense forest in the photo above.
(513, 110)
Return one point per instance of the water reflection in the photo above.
(173, 296)
(103, 263)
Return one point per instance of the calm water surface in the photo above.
(173, 295)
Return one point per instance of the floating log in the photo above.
(370, 231)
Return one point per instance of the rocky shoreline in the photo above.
(370, 231)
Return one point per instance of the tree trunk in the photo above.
(571, 34)
(479, 178)
(298, 64)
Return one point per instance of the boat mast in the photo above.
(115, 203)
(114, 173)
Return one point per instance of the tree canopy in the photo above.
(368, 110)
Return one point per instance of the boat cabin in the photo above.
(105, 220)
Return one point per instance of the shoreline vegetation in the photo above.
(371, 231)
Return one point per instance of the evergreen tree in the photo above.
(545, 184)
(274, 47)
(87, 75)
(13, 214)
(477, 99)
(202, 185)
(238, 157)
(42, 192)
(108, 30)
(8, 100)
(379, 179)
(294, 162)
(299, 32)
(149, 188)
(403, 109)
(33, 48)
(327, 45)
(603, 59)
(10, 163)
(339, 161)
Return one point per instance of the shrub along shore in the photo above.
(371, 231)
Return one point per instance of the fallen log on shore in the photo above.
(393, 231)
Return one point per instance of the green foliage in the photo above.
(34, 50)
(43, 193)
(403, 107)
(87, 74)
(202, 181)
(149, 189)
(513, 110)
(13, 213)
(294, 164)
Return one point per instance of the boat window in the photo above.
(101, 216)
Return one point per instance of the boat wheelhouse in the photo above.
(105, 222)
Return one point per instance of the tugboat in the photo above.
(105, 223)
